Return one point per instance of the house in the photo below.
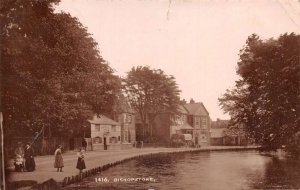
(192, 118)
(221, 135)
(198, 118)
(166, 124)
(105, 133)
(125, 115)
(218, 132)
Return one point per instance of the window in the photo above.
(197, 120)
(119, 138)
(113, 140)
(124, 135)
(113, 128)
(97, 127)
(129, 118)
(124, 118)
(203, 122)
(97, 140)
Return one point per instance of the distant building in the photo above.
(221, 135)
(199, 119)
(192, 118)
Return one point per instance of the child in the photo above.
(80, 163)
(19, 163)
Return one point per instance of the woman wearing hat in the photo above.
(29, 158)
(58, 163)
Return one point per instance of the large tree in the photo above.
(52, 74)
(266, 98)
(151, 92)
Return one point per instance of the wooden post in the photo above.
(2, 155)
(43, 139)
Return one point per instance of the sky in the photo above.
(196, 41)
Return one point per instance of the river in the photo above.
(203, 170)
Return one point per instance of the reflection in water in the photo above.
(205, 170)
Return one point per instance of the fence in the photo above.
(43, 147)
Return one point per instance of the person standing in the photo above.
(80, 162)
(84, 144)
(29, 158)
(58, 163)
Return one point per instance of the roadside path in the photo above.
(45, 169)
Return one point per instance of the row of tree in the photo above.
(53, 77)
(266, 99)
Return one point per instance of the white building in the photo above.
(105, 133)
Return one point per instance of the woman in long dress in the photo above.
(80, 162)
(29, 158)
(58, 163)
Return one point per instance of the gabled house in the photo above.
(190, 119)
(200, 121)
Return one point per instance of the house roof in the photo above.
(103, 120)
(186, 126)
(196, 108)
(182, 109)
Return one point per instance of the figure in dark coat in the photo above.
(59, 162)
(84, 144)
(80, 162)
(29, 158)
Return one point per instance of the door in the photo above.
(105, 143)
(71, 143)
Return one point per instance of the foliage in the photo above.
(51, 72)
(151, 92)
(266, 98)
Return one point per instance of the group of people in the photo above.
(59, 163)
(24, 158)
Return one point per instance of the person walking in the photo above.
(58, 163)
(80, 162)
(29, 158)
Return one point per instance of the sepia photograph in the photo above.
(150, 94)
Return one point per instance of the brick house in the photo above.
(192, 118)
(200, 121)
(125, 115)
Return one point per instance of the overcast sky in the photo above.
(195, 41)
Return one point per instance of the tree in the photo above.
(266, 98)
(151, 92)
(52, 74)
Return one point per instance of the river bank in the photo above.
(95, 162)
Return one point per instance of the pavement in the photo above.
(45, 164)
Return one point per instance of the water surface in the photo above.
(204, 170)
